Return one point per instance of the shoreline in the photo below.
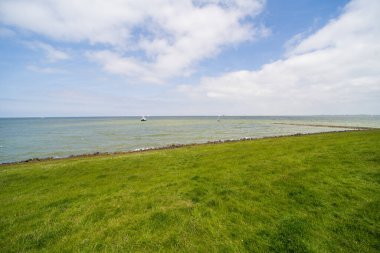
(328, 126)
(175, 146)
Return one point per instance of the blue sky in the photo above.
(201, 57)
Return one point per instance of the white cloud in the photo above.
(171, 36)
(114, 63)
(336, 68)
(51, 53)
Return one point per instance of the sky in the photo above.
(189, 57)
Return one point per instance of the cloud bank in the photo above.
(166, 37)
(334, 70)
(330, 71)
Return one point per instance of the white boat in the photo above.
(143, 118)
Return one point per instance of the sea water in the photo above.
(26, 138)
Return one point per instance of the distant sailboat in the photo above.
(143, 118)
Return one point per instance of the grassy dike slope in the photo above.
(315, 193)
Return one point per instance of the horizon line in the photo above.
(214, 115)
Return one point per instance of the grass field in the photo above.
(315, 193)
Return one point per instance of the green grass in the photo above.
(316, 193)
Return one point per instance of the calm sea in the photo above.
(25, 138)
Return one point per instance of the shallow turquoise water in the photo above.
(26, 138)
